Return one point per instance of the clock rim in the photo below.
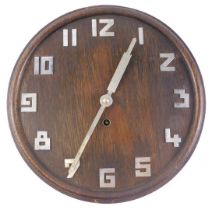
(196, 124)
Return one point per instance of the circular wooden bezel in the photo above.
(171, 170)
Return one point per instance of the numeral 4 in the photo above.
(43, 65)
(104, 31)
(175, 139)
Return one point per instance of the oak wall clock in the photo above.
(106, 104)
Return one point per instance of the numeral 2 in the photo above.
(169, 58)
(104, 31)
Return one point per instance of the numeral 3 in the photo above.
(183, 95)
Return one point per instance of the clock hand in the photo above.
(121, 68)
(105, 101)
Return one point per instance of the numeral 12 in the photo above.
(104, 31)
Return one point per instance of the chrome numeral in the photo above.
(43, 65)
(141, 35)
(73, 37)
(104, 31)
(65, 37)
(175, 139)
(107, 177)
(42, 142)
(169, 58)
(69, 161)
(184, 96)
(142, 167)
(29, 102)
(94, 27)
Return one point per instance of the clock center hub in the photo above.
(106, 100)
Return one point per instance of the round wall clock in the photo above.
(106, 104)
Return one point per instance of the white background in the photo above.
(20, 188)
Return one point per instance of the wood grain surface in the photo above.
(143, 106)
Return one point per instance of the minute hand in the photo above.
(105, 101)
(121, 68)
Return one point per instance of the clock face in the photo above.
(141, 132)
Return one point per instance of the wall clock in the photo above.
(106, 104)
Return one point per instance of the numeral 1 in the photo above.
(169, 58)
(141, 35)
(104, 31)
(73, 37)
(175, 139)
(42, 142)
(43, 65)
(142, 166)
(107, 177)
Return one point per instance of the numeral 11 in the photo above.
(66, 37)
